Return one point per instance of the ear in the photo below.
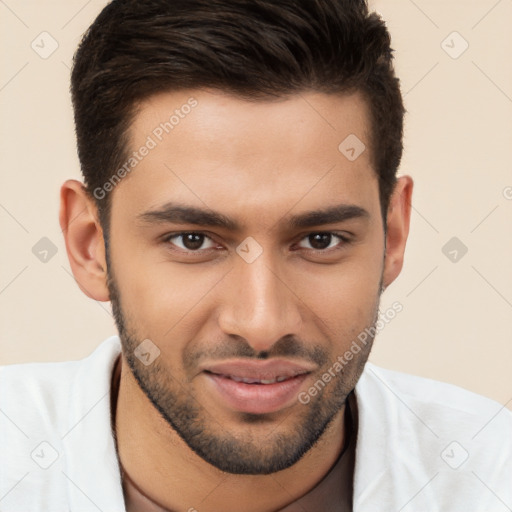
(398, 219)
(84, 240)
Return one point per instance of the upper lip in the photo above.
(259, 370)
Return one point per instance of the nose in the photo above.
(259, 304)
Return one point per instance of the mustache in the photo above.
(237, 347)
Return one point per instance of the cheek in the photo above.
(344, 294)
(160, 299)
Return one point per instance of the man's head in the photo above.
(242, 211)
(259, 50)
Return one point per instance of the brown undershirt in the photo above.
(332, 494)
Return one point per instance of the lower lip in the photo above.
(257, 398)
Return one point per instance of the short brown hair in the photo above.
(256, 49)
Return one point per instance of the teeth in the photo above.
(257, 381)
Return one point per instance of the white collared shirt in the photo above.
(422, 445)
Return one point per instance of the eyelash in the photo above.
(344, 240)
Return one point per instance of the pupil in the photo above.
(193, 241)
(320, 240)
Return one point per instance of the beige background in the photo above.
(455, 323)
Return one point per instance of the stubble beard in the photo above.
(243, 451)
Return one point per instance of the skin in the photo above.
(258, 163)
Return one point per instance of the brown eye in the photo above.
(322, 241)
(190, 241)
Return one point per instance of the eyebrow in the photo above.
(180, 214)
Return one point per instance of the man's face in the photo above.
(272, 293)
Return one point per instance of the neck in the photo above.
(169, 473)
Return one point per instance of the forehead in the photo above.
(208, 148)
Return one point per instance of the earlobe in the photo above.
(84, 240)
(398, 221)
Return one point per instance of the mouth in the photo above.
(260, 380)
(257, 387)
(248, 380)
